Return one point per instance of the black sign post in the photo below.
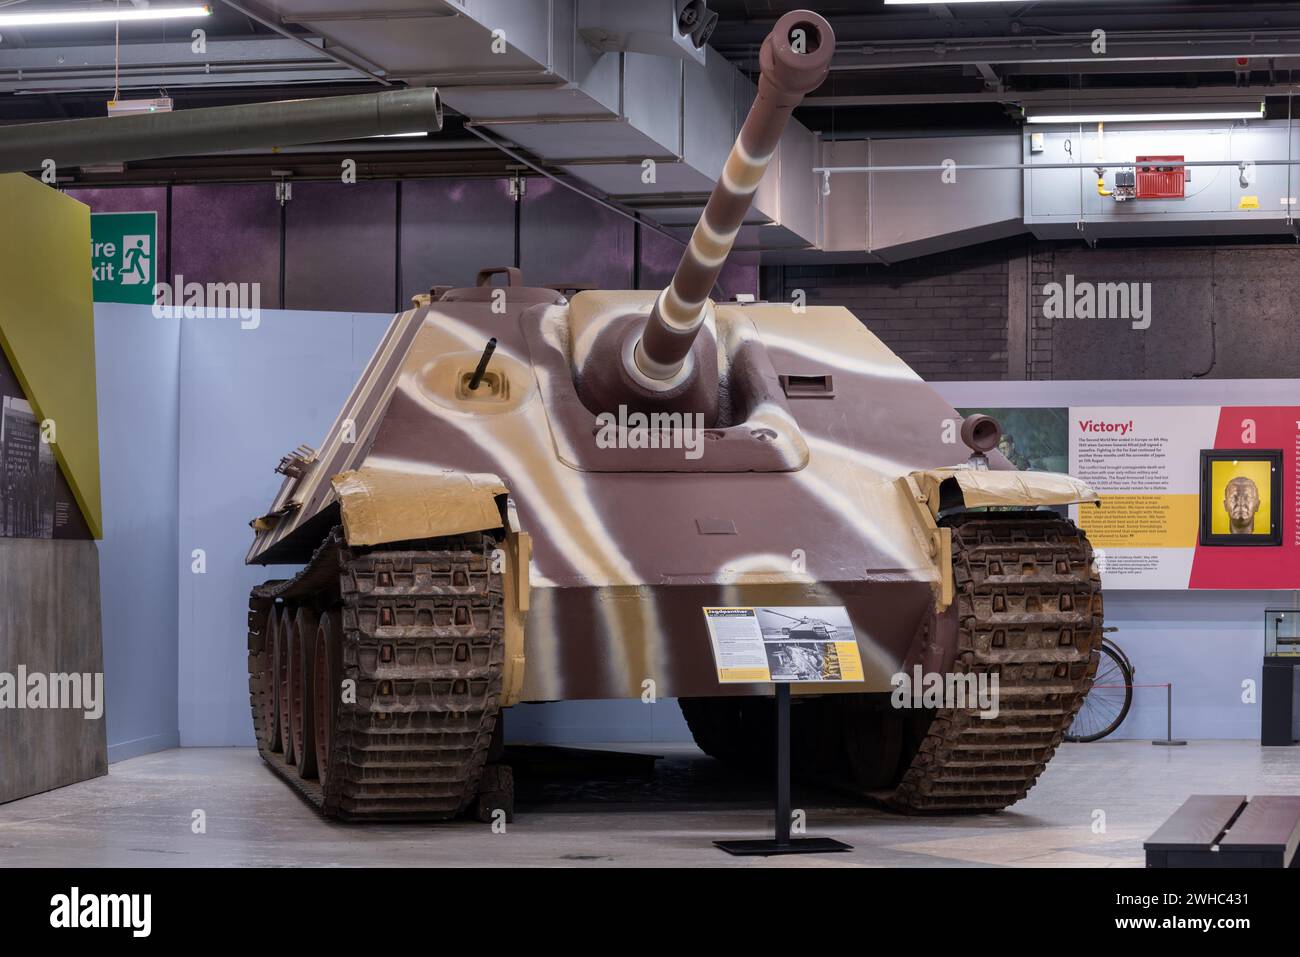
(782, 842)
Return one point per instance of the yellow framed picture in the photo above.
(1241, 497)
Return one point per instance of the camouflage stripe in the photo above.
(786, 77)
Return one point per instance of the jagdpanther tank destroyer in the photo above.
(530, 498)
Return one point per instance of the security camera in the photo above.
(666, 28)
(696, 20)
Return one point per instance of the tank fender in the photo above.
(389, 505)
(935, 645)
(980, 488)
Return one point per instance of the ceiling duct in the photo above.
(895, 199)
(622, 96)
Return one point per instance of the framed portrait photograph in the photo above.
(1241, 497)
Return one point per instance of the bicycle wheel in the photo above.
(1106, 705)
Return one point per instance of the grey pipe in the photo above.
(122, 139)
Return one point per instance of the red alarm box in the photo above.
(1161, 177)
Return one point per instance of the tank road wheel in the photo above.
(301, 687)
(326, 691)
(1029, 610)
(283, 669)
(873, 741)
(416, 630)
(715, 725)
(742, 730)
(263, 624)
(738, 729)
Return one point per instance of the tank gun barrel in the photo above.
(794, 59)
(121, 139)
(773, 611)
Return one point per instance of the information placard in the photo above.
(1192, 496)
(805, 643)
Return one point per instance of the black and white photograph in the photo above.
(811, 623)
(792, 660)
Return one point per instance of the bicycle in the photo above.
(1106, 705)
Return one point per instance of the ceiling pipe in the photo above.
(145, 136)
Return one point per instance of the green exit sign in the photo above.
(123, 255)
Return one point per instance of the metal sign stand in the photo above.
(783, 843)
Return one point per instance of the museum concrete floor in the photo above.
(141, 815)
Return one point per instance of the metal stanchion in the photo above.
(1169, 719)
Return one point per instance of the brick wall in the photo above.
(1217, 311)
(946, 316)
(1038, 356)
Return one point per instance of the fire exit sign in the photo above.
(123, 256)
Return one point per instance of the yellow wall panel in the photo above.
(47, 323)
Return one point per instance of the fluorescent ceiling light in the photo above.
(93, 15)
(1151, 116)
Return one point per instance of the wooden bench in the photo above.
(1227, 830)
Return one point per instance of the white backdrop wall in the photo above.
(136, 375)
(247, 396)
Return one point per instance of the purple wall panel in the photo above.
(452, 228)
(340, 247)
(228, 233)
(131, 199)
(566, 238)
(660, 255)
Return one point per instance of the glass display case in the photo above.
(1282, 633)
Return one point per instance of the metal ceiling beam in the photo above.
(174, 79)
(734, 38)
(152, 65)
(1116, 95)
(349, 16)
(1224, 65)
(247, 50)
(305, 167)
(1121, 48)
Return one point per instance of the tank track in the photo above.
(423, 640)
(1028, 607)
